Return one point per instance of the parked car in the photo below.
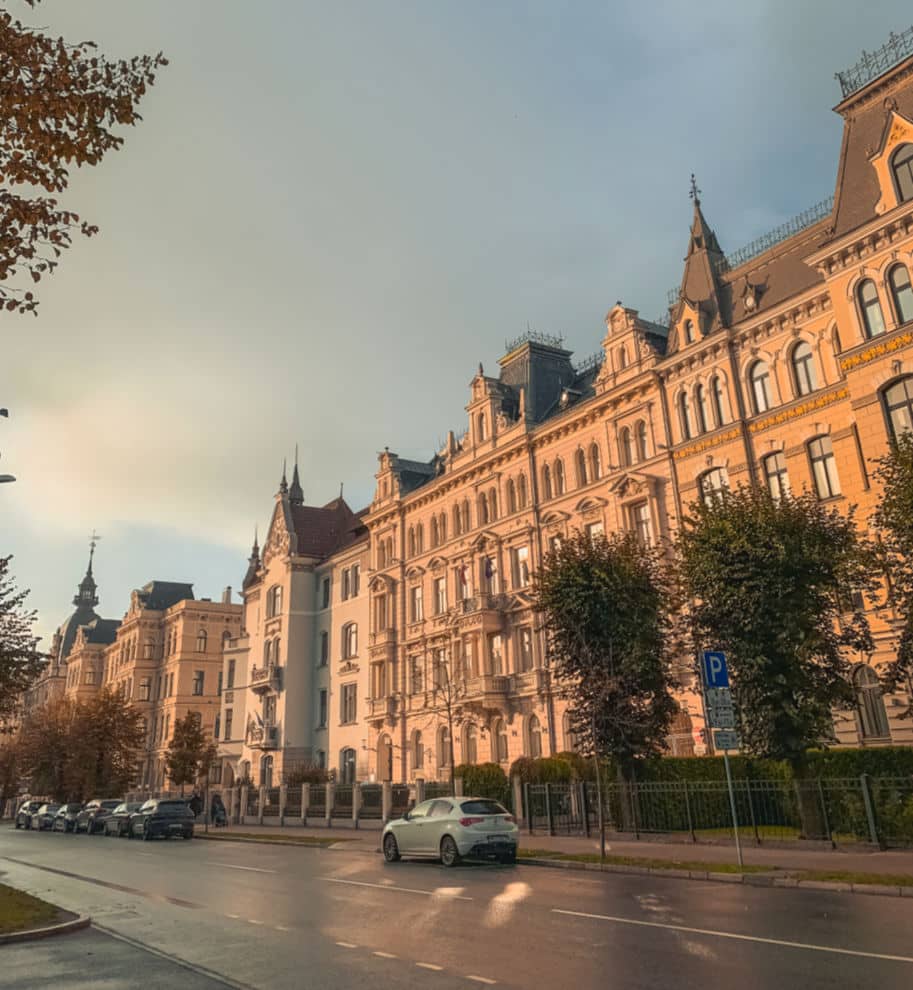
(65, 819)
(158, 817)
(25, 812)
(92, 817)
(451, 828)
(118, 821)
(43, 818)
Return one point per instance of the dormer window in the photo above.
(902, 167)
(689, 332)
(481, 427)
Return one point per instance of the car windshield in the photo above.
(110, 804)
(171, 808)
(49, 808)
(483, 807)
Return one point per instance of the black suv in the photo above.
(159, 817)
(92, 817)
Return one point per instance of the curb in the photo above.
(771, 880)
(33, 934)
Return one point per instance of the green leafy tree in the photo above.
(607, 610)
(894, 519)
(108, 735)
(59, 105)
(20, 660)
(774, 584)
(46, 749)
(190, 752)
(10, 769)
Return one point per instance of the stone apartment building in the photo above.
(295, 680)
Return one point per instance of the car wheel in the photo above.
(18, 824)
(450, 855)
(509, 859)
(391, 849)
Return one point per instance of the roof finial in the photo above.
(256, 546)
(481, 370)
(93, 543)
(695, 193)
(295, 492)
(283, 484)
(340, 490)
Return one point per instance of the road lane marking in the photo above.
(431, 966)
(255, 921)
(734, 935)
(481, 979)
(385, 955)
(282, 928)
(235, 916)
(347, 945)
(400, 890)
(248, 869)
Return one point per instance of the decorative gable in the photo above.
(898, 131)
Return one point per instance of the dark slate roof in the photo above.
(159, 595)
(321, 530)
(102, 631)
(83, 615)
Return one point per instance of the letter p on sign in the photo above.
(715, 673)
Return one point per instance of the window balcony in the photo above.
(484, 612)
(266, 678)
(382, 708)
(491, 690)
(265, 736)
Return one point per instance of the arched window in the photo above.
(419, 538)
(559, 477)
(776, 476)
(522, 494)
(418, 751)
(622, 358)
(580, 465)
(511, 495)
(689, 332)
(759, 377)
(902, 167)
(347, 766)
(266, 771)
(898, 402)
(411, 541)
(712, 484)
(803, 369)
(625, 447)
(870, 309)
(435, 534)
(492, 504)
(824, 467)
(483, 510)
(226, 639)
(873, 718)
(533, 737)
(901, 292)
(442, 528)
(684, 415)
(465, 521)
(702, 409)
(443, 746)
(201, 641)
(719, 400)
(274, 601)
(457, 526)
(836, 342)
(546, 482)
(382, 554)
(499, 741)
(481, 427)
(471, 744)
(349, 640)
(640, 433)
(595, 462)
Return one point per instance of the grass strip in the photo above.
(20, 911)
(643, 861)
(279, 840)
(851, 876)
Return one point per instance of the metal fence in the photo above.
(401, 800)
(437, 788)
(271, 802)
(342, 802)
(842, 811)
(293, 800)
(317, 801)
(372, 801)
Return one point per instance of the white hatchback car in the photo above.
(451, 828)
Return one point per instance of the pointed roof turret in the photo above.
(283, 484)
(701, 234)
(253, 563)
(86, 595)
(295, 493)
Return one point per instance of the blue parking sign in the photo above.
(714, 667)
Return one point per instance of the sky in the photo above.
(332, 212)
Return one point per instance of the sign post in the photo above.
(721, 719)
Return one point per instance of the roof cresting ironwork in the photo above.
(872, 64)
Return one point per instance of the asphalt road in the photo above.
(273, 917)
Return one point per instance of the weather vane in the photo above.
(695, 193)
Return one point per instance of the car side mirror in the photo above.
(407, 815)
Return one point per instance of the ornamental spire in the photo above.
(296, 495)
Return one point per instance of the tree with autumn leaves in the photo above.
(60, 103)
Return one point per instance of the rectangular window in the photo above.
(416, 610)
(348, 704)
(496, 652)
(322, 713)
(144, 687)
(344, 591)
(378, 680)
(228, 715)
(595, 529)
(439, 668)
(554, 544)
(526, 648)
(90, 677)
(380, 613)
(198, 679)
(219, 683)
(641, 523)
(521, 567)
(776, 476)
(324, 648)
(356, 577)
(326, 592)
(231, 674)
(824, 467)
(416, 674)
(440, 595)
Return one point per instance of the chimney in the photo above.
(226, 595)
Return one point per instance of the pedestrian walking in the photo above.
(217, 812)
(196, 804)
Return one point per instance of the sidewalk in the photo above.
(367, 839)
